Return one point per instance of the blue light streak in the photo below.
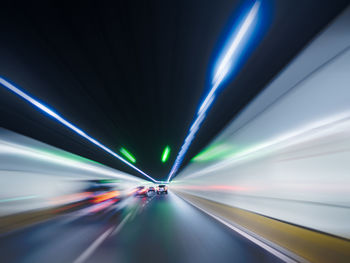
(226, 64)
(66, 123)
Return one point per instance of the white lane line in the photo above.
(120, 226)
(93, 246)
(249, 237)
(91, 249)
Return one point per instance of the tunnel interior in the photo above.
(175, 131)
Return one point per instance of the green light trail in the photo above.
(215, 152)
(127, 155)
(165, 154)
(20, 198)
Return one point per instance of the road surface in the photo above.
(155, 229)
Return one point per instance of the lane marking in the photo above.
(256, 241)
(92, 248)
(120, 226)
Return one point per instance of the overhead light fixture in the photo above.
(166, 153)
(128, 155)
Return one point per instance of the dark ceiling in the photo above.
(131, 73)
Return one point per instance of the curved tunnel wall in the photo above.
(33, 174)
(287, 155)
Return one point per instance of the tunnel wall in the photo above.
(287, 155)
(34, 174)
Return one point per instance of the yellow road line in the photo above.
(308, 244)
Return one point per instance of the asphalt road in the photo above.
(155, 229)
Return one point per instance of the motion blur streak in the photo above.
(86, 212)
(165, 154)
(224, 68)
(37, 176)
(286, 156)
(53, 156)
(63, 121)
(106, 196)
(305, 172)
(227, 61)
(228, 188)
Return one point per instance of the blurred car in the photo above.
(151, 190)
(106, 195)
(100, 192)
(162, 188)
(141, 191)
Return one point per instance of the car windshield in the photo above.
(162, 186)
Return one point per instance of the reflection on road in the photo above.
(134, 229)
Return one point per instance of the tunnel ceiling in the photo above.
(132, 74)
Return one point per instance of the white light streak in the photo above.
(69, 125)
(227, 60)
(223, 69)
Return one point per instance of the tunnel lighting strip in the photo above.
(165, 154)
(128, 155)
(223, 69)
(66, 123)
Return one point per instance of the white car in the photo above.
(162, 188)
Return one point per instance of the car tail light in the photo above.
(105, 196)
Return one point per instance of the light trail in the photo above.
(66, 123)
(165, 154)
(128, 155)
(222, 71)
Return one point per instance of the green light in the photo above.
(127, 155)
(108, 181)
(66, 155)
(20, 198)
(165, 154)
(215, 152)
